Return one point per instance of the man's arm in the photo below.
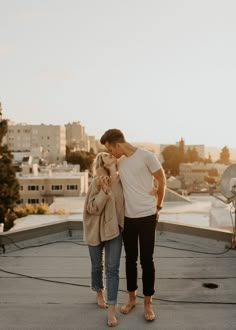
(160, 179)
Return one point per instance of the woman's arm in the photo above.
(97, 197)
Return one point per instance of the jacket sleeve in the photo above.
(96, 200)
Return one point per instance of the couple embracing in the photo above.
(123, 205)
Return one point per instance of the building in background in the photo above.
(77, 139)
(43, 184)
(196, 175)
(45, 142)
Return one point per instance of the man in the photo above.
(138, 170)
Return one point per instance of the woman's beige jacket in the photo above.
(103, 215)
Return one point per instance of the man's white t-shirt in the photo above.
(137, 181)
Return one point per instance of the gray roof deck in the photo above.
(45, 281)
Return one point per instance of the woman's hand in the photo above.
(103, 182)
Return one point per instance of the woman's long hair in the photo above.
(98, 163)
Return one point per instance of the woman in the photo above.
(103, 220)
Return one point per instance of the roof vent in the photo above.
(210, 285)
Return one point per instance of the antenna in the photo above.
(228, 190)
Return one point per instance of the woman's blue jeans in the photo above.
(112, 250)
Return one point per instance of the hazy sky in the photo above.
(157, 69)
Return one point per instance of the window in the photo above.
(33, 201)
(72, 187)
(31, 188)
(56, 187)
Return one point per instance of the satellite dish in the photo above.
(228, 183)
(228, 190)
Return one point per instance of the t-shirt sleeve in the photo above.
(153, 162)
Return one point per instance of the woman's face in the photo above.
(108, 160)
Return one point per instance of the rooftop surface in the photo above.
(45, 280)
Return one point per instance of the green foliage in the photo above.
(172, 159)
(3, 129)
(208, 160)
(27, 209)
(10, 217)
(23, 211)
(173, 155)
(181, 149)
(191, 155)
(42, 208)
(9, 187)
(83, 158)
(59, 212)
(224, 156)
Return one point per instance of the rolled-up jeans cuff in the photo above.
(112, 302)
(96, 289)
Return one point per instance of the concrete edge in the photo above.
(211, 233)
(67, 225)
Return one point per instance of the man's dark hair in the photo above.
(112, 136)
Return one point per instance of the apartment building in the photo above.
(95, 145)
(195, 173)
(42, 185)
(77, 138)
(46, 142)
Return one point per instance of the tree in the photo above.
(224, 156)
(83, 158)
(182, 150)
(208, 160)
(172, 158)
(174, 155)
(9, 187)
(192, 155)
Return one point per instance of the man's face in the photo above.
(114, 149)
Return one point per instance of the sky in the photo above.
(159, 70)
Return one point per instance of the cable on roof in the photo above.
(39, 245)
(190, 250)
(120, 290)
